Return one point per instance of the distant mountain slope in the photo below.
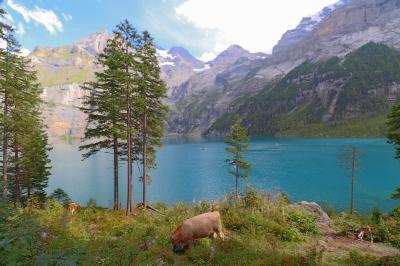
(348, 27)
(306, 26)
(62, 69)
(203, 95)
(363, 84)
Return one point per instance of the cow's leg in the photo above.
(213, 244)
(219, 231)
(221, 235)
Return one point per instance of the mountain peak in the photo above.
(236, 47)
(306, 26)
(231, 54)
(95, 42)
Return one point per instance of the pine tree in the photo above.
(350, 159)
(7, 55)
(152, 91)
(393, 124)
(25, 163)
(29, 140)
(238, 146)
(129, 41)
(103, 107)
(393, 136)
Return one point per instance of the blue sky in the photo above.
(204, 27)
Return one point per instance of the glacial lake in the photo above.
(193, 169)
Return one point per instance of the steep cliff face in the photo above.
(306, 26)
(204, 97)
(345, 29)
(61, 110)
(364, 83)
(61, 70)
(177, 66)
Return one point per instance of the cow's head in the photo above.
(178, 246)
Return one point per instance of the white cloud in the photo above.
(24, 52)
(67, 17)
(3, 44)
(45, 17)
(20, 29)
(256, 25)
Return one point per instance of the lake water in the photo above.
(194, 169)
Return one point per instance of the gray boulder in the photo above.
(314, 208)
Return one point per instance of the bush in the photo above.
(347, 224)
(283, 199)
(382, 233)
(61, 196)
(252, 198)
(376, 216)
(303, 222)
(395, 213)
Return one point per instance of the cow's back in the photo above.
(203, 225)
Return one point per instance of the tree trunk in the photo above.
(129, 202)
(236, 188)
(5, 146)
(236, 183)
(144, 177)
(116, 173)
(17, 173)
(352, 181)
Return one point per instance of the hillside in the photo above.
(261, 230)
(325, 97)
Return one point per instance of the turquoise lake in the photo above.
(193, 169)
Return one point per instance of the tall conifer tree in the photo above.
(238, 146)
(152, 91)
(103, 106)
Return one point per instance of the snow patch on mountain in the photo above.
(306, 26)
(198, 70)
(165, 54)
(310, 22)
(167, 64)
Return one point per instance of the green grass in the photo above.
(64, 75)
(261, 230)
(366, 126)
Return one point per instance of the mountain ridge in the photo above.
(200, 93)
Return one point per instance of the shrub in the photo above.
(252, 198)
(358, 259)
(395, 213)
(61, 196)
(347, 224)
(283, 198)
(376, 216)
(382, 233)
(304, 223)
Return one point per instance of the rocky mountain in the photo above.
(62, 69)
(345, 29)
(325, 97)
(306, 26)
(177, 65)
(308, 75)
(201, 99)
(335, 32)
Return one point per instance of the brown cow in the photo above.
(201, 226)
(72, 207)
